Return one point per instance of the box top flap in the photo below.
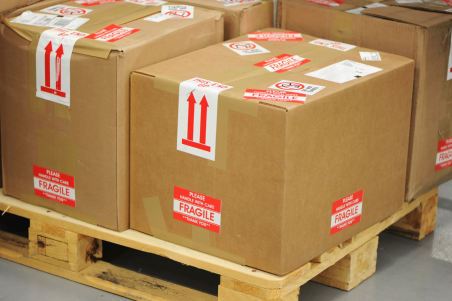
(318, 68)
(426, 5)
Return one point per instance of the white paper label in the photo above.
(147, 2)
(178, 11)
(237, 2)
(46, 20)
(408, 1)
(65, 10)
(288, 85)
(357, 11)
(449, 10)
(370, 56)
(344, 71)
(449, 66)
(157, 18)
(197, 119)
(331, 44)
(246, 48)
(53, 64)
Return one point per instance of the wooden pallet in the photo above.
(72, 249)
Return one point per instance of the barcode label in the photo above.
(370, 56)
(61, 22)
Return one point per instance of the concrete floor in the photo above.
(406, 270)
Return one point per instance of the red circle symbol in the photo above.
(73, 12)
(176, 14)
(289, 86)
(242, 46)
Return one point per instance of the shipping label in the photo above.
(178, 11)
(346, 212)
(274, 95)
(275, 36)
(444, 156)
(197, 209)
(246, 48)
(449, 66)
(65, 10)
(157, 18)
(408, 1)
(370, 56)
(54, 186)
(112, 33)
(46, 20)
(95, 2)
(344, 71)
(53, 64)
(333, 45)
(287, 85)
(328, 3)
(282, 63)
(147, 2)
(197, 117)
(237, 2)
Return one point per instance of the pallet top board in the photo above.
(146, 243)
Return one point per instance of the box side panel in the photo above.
(256, 17)
(353, 140)
(250, 187)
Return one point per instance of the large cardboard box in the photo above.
(239, 18)
(414, 33)
(71, 153)
(268, 183)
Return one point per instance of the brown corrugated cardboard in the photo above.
(9, 5)
(278, 168)
(88, 141)
(427, 5)
(420, 35)
(239, 19)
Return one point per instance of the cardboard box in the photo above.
(242, 18)
(80, 139)
(9, 5)
(417, 34)
(255, 181)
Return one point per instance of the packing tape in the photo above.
(56, 152)
(343, 27)
(201, 238)
(36, 105)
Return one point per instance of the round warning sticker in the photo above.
(242, 46)
(176, 14)
(178, 11)
(73, 12)
(289, 86)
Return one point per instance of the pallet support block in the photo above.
(63, 248)
(418, 223)
(353, 269)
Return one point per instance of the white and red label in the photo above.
(65, 10)
(274, 95)
(332, 44)
(197, 117)
(197, 209)
(147, 2)
(287, 85)
(53, 64)
(444, 156)
(275, 36)
(237, 2)
(94, 2)
(328, 3)
(178, 11)
(54, 185)
(112, 33)
(282, 63)
(346, 212)
(246, 48)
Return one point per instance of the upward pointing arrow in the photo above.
(48, 50)
(59, 54)
(191, 116)
(204, 105)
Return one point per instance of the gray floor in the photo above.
(406, 270)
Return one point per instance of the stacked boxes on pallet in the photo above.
(65, 99)
(420, 31)
(228, 160)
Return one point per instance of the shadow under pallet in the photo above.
(141, 267)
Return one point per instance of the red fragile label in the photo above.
(197, 209)
(282, 63)
(346, 212)
(274, 95)
(54, 185)
(448, 2)
(444, 155)
(94, 2)
(276, 36)
(328, 3)
(112, 33)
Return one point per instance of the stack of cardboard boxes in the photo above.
(265, 150)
